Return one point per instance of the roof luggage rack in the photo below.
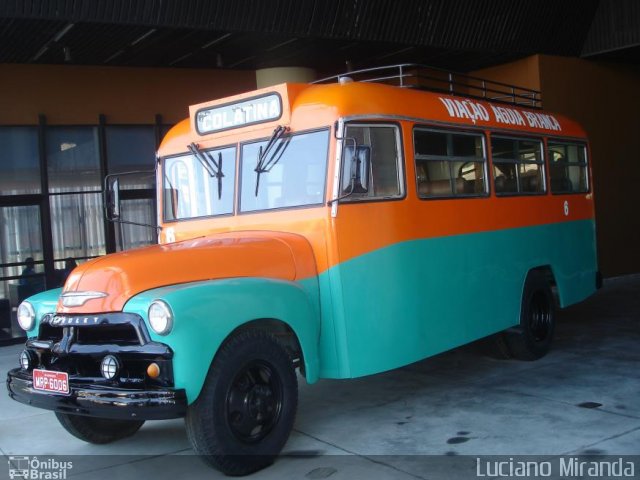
(424, 77)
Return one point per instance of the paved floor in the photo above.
(580, 399)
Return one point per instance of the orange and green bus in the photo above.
(338, 229)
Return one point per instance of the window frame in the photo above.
(451, 159)
(400, 159)
(542, 162)
(577, 142)
(238, 197)
(162, 166)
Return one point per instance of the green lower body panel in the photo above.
(411, 300)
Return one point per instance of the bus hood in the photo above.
(106, 283)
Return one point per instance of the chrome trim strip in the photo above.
(77, 299)
(339, 135)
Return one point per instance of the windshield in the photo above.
(292, 174)
(191, 191)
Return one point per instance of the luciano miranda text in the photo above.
(566, 467)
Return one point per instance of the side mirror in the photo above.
(356, 168)
(112, 198)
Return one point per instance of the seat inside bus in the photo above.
(442, 187)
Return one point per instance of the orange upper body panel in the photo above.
(246, 254)
(372, 100)
(310, 223)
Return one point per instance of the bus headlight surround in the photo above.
(26, 316)
(160, 317)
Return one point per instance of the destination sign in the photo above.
(239, 114)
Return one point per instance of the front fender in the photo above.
(43, 303)
(205, 313)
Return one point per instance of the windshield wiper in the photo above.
(213, 167)
(265, 164)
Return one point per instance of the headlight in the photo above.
(28, 360)
(160, 317)
(110, 367)
(26, 316)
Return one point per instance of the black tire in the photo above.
(98, 430)
(246, 409)
(532, 339)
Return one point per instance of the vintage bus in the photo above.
(338, 229)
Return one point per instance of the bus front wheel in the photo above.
(98, 430)
(532, 338)
(247, 406)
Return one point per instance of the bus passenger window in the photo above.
(385, 175)
(568, 168)
(518, 166)
(449, 164)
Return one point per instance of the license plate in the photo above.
(48, 381)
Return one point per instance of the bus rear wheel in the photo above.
(246, 409)
(532, 338)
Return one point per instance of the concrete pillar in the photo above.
(267, 77)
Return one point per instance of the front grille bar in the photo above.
(71, 325)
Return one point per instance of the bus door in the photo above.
(374, 269)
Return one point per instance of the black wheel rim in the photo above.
(254, 401)
(540, 317)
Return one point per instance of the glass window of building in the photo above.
(19, 161)
(129, 149)
(21, 256)
(77, 225)
(73, 160)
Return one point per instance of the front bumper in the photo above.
(100, 401)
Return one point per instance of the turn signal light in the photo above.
(153, 370)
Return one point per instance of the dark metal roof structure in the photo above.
(456, 34)
(615, 32)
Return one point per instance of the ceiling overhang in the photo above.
(324, 34)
